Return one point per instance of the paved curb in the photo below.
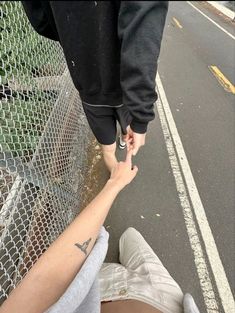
(229, 13)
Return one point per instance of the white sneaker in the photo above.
(122, 144)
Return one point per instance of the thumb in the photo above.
(135, 170)
(129, 156)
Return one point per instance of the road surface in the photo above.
(183, 198)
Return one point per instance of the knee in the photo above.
(130, 232)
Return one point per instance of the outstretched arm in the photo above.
(57, 267)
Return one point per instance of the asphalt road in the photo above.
(201, 116)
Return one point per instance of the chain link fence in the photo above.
(43, 145)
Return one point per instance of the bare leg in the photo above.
(109, 155)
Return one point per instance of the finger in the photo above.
(128, 130)
(129, 141)
(135, 170)
(129, 157)
(125, 137)
(130, 147)
(135, 150)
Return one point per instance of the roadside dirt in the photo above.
(95, 176)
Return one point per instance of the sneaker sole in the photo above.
(122, 147)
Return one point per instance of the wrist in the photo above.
(114, 186)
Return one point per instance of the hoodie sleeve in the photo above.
(140, 29)
(41, 18)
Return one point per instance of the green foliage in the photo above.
(22, 123)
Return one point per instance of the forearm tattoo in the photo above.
(83, 247)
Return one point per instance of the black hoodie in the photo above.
(111, 48)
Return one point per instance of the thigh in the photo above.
(134, 250)
(148, 277)
(136, 255)
(112, 281)
(102, 121)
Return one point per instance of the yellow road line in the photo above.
(177, 22)
(224, 82)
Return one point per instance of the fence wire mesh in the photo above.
(43, 142)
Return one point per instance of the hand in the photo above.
(134, 140)
(123, 173)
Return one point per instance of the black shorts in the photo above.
(103, 121)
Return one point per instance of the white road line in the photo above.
(223, 9)
(221, 28)
(171, 134)
(201, 266)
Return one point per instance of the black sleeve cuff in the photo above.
(139, 127)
